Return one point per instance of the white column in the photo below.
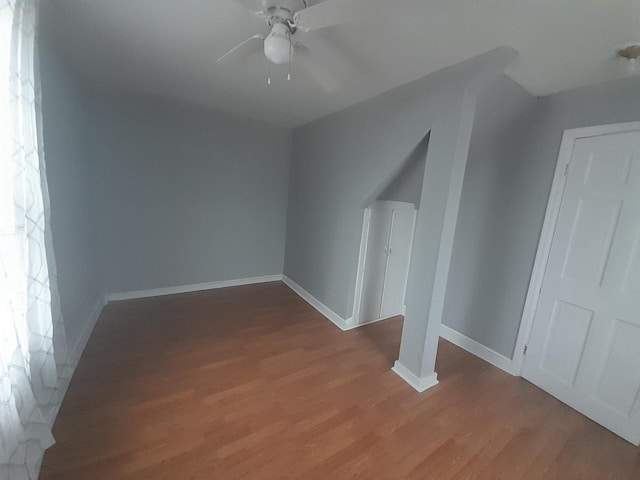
(436, 222)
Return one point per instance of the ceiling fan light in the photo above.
(277, 45)
(629, 61)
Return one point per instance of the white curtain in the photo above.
(31, 332)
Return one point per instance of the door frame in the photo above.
(364, 242)
(569, 139)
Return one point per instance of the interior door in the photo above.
(398, 257)
(585, 341)
(375, 264)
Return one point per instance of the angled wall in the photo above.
(336, 163)
(339, 160)
(507, 185)
(407, 185)
(489, 276)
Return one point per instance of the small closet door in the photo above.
(398, 257)
(375, 263)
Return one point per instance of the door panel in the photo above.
(590, 240)
(375, 264)
(619, 383)
(585, 341)
(603, 170)
(398, 262)
(632, 276)
(566, 341)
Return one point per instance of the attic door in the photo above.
(386, 267)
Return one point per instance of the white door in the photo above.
(398, 257)
(375, 263)
(584, 346)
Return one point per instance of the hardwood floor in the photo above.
(251, 382)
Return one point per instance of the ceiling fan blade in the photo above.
(255, 6)
(248, 47)
(341, 60)
(331, 12)
(322, 75)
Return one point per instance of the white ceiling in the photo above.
(170, 47)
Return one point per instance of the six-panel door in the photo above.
(585, 341)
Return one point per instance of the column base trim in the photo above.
(418, 383)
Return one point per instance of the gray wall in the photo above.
(185, 194)
(407, 186)
(489, 277)
(606, 103)
(147, 193)
(70, 178)
(339, 161)
(507, 186)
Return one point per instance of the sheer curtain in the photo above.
(32, 342)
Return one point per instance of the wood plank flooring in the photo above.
(251, 382)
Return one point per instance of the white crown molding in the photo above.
(418, 383)
(475, 348)
(195, 287)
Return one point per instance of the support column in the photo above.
(435, 226)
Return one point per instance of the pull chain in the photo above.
(268, 72)
(290, 56)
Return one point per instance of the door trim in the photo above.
(364, 243)
(392, 205)
(569, 138)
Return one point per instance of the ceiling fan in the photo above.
(286, 17)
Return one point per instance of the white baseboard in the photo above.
(494, 358)
(356, 325)
(419, 383)
(341, 323)
(75, 353)
(196, 287)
